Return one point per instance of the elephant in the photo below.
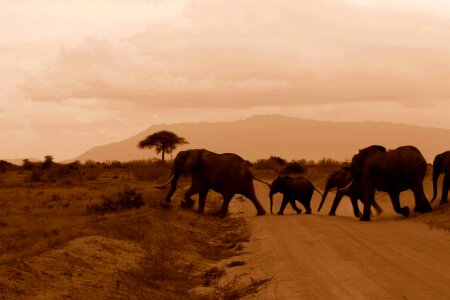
(341, 179)
(227, 174)
(293, 188)
(393, 171)
(441, 164)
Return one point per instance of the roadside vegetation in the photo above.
(58, 221)
(99, 230)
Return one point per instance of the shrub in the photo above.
(293, 168)
(27, 165)
(126, 198)
(66, 173)
(148, 169)
(7, 166)
(326, 162)
(272, 163)
(48, 162)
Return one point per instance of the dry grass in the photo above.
(37, 216)
(235, 289)
(438, 218)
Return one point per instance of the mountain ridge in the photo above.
(291, 138)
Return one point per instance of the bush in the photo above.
(293, 168)
(28, 165)
(7, 166)
(328, 162)
(148, 169)
(66, 173)
(126, 198)
(274, 163)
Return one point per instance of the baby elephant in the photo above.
(293, 188)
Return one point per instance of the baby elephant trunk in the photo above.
(271, 200)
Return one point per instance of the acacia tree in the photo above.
(163, 142)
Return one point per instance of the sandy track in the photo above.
(322, 257)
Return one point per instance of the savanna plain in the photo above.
(102, 231)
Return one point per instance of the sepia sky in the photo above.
(78, 73)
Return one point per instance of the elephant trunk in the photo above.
(328, 187)
(324, 196)
(436, 172)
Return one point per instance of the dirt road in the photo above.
(321, 257)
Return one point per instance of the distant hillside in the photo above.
(290, 138)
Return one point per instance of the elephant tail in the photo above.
(262, 181)
(318, 191)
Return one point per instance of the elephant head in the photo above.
(441, 164)
(366, 161)
(184, 164)
(278, 185)
(340, 179)
(365, 164)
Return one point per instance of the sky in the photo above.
(75, 74)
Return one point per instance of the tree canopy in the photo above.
(163, 142)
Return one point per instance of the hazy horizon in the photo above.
(77, 74)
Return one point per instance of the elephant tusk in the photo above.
(346, 188)
(163, 185)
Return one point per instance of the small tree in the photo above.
(27, 164)
(48, 161)
(162, 141)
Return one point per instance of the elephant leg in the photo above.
(283, 205)
(395, 199)
(202, 200)
(188, 202)
(369, 196)
(307, 203)
(422, 204)
(336, 201)
(226, 202)
(445, 188)
(250, 194)
(294, 206)
(354, 201)
(377, 207)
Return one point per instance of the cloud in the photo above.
(233, 54)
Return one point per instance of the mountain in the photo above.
(291, 138)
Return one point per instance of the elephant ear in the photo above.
(191, 162)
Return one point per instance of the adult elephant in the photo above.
(393, 171)
(441, 165)
(293, 188)
(341, 180)
(228, 174)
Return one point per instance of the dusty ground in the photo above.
(50, 248)
(322, 257)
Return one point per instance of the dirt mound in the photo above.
(88, 267)
(438, 218)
